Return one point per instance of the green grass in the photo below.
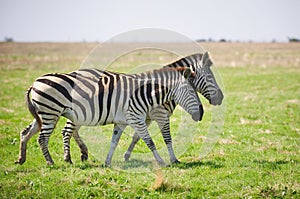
(257, 154)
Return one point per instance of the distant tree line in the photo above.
(212, 40)
(8, 39)
(292, 39)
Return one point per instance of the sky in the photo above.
(99, 20)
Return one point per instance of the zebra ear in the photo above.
(188, 74)
(206, 61)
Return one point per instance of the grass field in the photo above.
(257, 154)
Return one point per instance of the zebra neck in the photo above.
(191, 62)
(158, 86)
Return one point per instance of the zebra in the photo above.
(91, 97)
(204, 82)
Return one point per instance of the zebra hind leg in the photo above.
(67, 133)
(43, 139)
(25, 135)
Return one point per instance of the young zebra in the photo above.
(204, 82)
(91, 97)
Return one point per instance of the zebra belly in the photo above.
(98, 118)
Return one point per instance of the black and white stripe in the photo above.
(91, 97)
(204, 82)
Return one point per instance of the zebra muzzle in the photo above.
(197, 116)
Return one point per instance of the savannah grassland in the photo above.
(257, 154)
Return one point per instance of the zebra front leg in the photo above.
(164, 126)
(118, 130)
(25, 135)
(43, 139)
(140, 128)
(82, 146)
(135, 139)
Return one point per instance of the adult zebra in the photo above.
(91, 97)
(204, 82)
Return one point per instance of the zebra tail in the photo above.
(32, 108)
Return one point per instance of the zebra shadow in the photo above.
(132, 164)
(196, 164)
(142, 164)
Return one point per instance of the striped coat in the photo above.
(91, 97)
(204, 82)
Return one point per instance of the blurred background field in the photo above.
(70, 55)
(257, 153)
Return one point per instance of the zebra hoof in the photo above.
(50, 162)
(84, 157)
(127, 156)
(176, 162)
(108, 165)
(19, 162)
(69, 161)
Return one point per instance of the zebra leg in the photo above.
(164, 126)
(43, 139)
(135, 139)
(118, 130)
(80, 143)
(141, 128)
(25, 135)
(67, 132)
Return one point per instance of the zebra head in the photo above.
(205, 82)
(187, 97)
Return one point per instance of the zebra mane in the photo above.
(193, 61)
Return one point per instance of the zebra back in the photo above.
(94, 97)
